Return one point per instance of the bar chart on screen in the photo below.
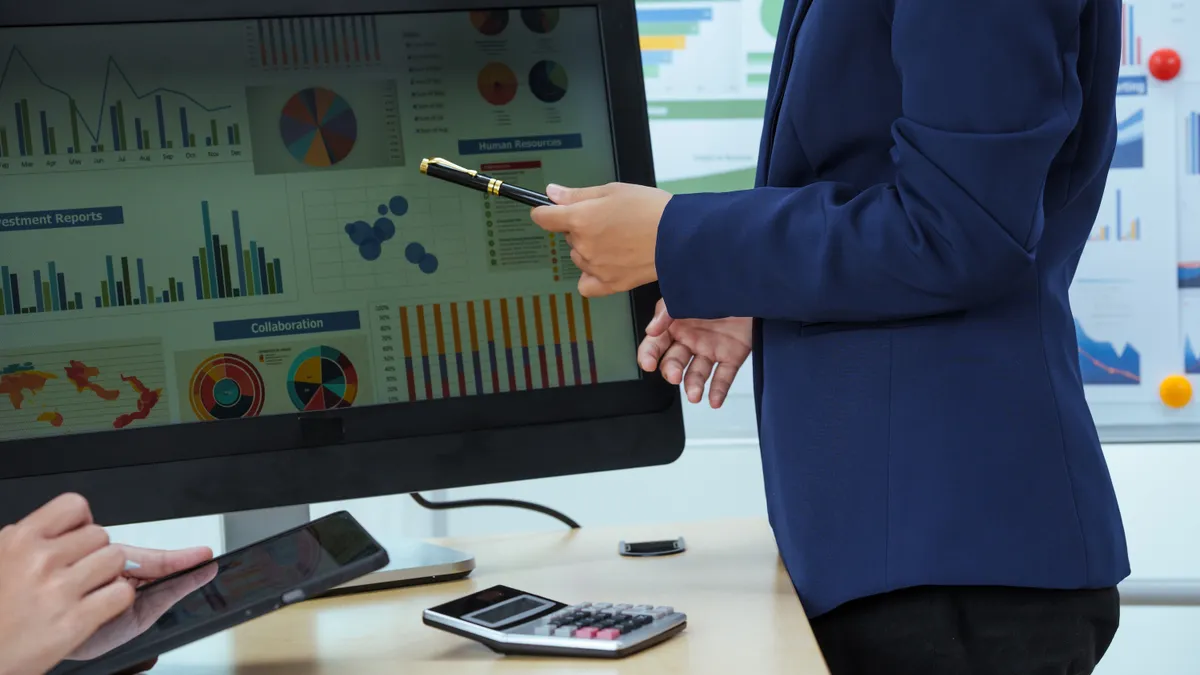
(131, 274)
(310, 43)
(120, 123)
(448, 349)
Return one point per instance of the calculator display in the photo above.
(520, 606)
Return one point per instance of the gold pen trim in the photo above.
(446, 163)
(493, 187)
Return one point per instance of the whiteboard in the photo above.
(1136, 296)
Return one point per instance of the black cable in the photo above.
(504, 503)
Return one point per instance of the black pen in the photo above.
(448, 171)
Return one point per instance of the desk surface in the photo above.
(743, 616)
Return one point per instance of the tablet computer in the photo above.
(229, 590)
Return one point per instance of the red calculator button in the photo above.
(608, 634)
(588, 632)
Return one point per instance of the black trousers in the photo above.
(970, 630)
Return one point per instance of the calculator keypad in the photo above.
(600, 620)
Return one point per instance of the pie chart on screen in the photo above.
(548, 81)
(318, 127)
(540, 20)
(497, 84)
(322, 378)
(490, 22)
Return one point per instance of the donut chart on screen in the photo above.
(318, 127)
(322, 378)
(226, 387)
(497, 83)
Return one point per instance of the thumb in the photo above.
(156, 564)
(661, 322)
(564, 195)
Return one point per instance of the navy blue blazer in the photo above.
(930, 172)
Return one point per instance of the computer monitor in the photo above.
(227, 286)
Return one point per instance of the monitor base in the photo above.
(411, 562)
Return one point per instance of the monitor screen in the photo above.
(214, 220)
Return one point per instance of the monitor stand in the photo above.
(411, 562)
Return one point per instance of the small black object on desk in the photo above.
(644, 549)
(453, 173)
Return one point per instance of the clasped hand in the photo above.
(691, 351)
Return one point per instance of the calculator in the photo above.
(512, 621)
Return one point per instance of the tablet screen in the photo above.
(203, 600)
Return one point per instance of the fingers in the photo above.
(156, 604)
(156, 564)
(697, 376)
(565, 195)
(60, 515)
(558, 218)
(74, 546)
(592, 287)
(577, 258)
(674, 362)
(101, 606)
(552, 218)
(722, 381)
(651, 351)
(661, 321)
(97, 569)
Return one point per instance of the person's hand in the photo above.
(612, 231)
(690, 351)
(153, 603)
(60, 580)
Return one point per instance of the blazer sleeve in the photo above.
(990, 94)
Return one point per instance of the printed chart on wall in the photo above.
(1123, 297)
(82, 388)
(1189, 229)
(1136, 324)
(299, 364)
(706, 66)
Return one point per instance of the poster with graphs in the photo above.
(1134, 293)
(706, 67)
(707, 62)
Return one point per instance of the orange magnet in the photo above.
(1175, 391)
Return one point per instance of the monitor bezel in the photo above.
(373, 450)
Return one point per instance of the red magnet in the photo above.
(1165, 64)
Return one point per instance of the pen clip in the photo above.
(446, 163)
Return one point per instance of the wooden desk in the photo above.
(743, 615)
